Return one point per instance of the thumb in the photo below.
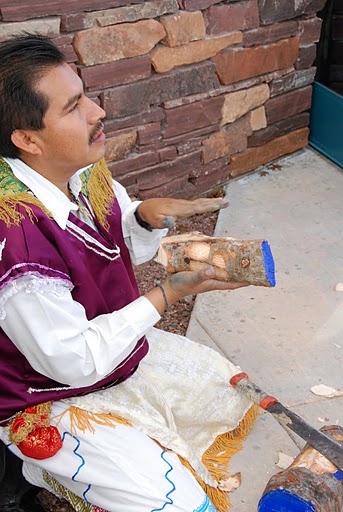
(206, 273)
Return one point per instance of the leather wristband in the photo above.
(142, 222)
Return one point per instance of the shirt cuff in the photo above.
(141, 315)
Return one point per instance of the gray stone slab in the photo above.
(288, 338)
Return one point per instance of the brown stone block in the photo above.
(107, 44)
(228, 141)
(210, 180)
(131, 99)
(280, 128)
(167, 189)
(291, 81)
(289, 104)
(307, 55)
(116, 73)
(167, 171)
(128, 14)
(73, 22)
(113, 125)
(164, 58)
(253, 158)
(310, 30)
(121, 145)
(48, 27)
(311, 6)
(271, 11)
(235, 65)
(191, 117)
(188, 191)
(237, 104)
(133, 163)
(17, 10)
(194, 5)
(271, 33)
(228, 18)
(131, 13)
(204, 169)
(188, 146)
(168, 153)
(185, 138)
(149, 133)
(183, 27)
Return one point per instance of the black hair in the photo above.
(23, 60)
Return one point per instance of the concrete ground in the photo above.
(288, 338)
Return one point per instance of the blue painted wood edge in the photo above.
(280, 500)
(268, 262)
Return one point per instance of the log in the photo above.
(233, 259)
(310, 484)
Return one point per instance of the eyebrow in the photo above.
(71, 101)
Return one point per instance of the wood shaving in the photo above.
(231, 483)
(326, 391)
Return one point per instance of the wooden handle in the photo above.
(254, 393)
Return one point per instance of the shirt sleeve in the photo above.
(142, 244)
(55, 336)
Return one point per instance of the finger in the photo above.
(169, 222)
(203, 206)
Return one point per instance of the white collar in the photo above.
(46, 192)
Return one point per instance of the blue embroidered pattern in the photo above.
(169, 500)
(206, 506)
(81, 465)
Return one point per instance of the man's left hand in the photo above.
(164, 212)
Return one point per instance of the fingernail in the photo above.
(209, 272)
(166, 223)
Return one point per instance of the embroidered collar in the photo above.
(46, 192)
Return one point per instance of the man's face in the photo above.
(73, 134)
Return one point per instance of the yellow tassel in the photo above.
(9, 208)
(82, 420)
(218, 455)
(100, 192)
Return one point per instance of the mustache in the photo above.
(96, 131)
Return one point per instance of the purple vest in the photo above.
(98, 269)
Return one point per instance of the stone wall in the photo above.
(196, 91)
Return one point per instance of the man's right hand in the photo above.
(179, 285)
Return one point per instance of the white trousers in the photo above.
(119, 470)
(180, 397)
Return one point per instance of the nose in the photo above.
(95, 112)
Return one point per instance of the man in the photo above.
(103, 409)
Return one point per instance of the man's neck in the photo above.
(56, 177)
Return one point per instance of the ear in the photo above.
(26, 141)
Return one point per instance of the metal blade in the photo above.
(324, 444)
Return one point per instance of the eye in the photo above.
(74, 107)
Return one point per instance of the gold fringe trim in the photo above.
(82, 420)
(100, 192)
(26, 421)
(9, 212)
(218, 455)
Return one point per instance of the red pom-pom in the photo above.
(31, 410)
(19, 423)
(42, 443)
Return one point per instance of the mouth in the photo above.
(97, 136)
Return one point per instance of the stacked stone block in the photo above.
(196, 91)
